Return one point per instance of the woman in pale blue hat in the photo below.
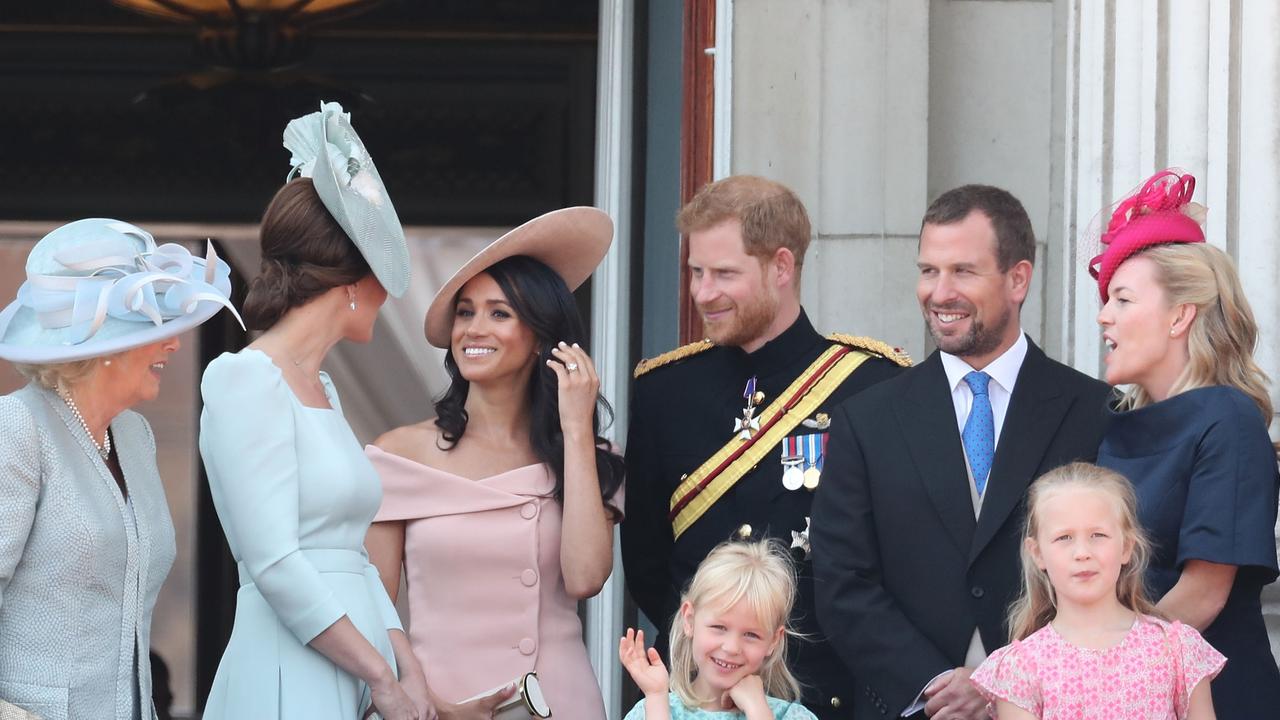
(85, 535)
(315, 634)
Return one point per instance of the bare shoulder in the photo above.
(410, 441)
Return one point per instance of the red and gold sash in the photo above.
(700, 489)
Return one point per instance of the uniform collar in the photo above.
(793, 345)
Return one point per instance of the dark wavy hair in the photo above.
(542, 302)
(305, 252)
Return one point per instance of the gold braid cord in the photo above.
(879, 347)
(699, 490)
(671, 356)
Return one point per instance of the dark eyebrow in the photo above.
(490, 302)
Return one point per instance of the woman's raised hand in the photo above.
(578, 388)
(646, 667)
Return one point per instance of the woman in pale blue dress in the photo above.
(315, 634)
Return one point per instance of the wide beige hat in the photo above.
(571, 241)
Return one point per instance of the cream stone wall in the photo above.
(870, 108)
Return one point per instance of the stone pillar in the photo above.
(1193, 84)
(831, 98)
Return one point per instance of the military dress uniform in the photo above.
(687, 406)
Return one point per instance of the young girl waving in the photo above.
(1087, 642)
(728, 643)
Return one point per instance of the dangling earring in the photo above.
(353, 305)
(352, 295)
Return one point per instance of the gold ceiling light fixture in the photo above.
(250, 34)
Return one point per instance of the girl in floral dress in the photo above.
(728, 643)
(1087, 642)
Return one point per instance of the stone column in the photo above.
(831, 98)
(1193, 84)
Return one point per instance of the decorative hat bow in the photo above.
(1159, 213)
(111, 277)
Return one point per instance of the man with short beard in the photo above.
(727, 435)
(918, 524)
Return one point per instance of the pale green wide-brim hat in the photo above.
(97, 287)
(571, 241)
(327, 149)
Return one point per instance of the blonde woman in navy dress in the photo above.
(315, 634)
(1191, 431)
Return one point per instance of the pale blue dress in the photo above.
(782, 710)
(295, 495)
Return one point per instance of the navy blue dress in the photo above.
(1205, 473)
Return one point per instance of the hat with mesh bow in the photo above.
(98, 286)
(326, 149)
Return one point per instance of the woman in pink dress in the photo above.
(501, 509)
(1087, 642)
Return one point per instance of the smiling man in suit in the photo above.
(917, 525)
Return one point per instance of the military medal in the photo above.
(749, 424)
(792, 464)
(814, 448)
(800, 541)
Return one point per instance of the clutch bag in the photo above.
(527, 702)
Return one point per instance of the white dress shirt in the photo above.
(1004, 375)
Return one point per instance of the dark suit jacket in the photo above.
(903, 573)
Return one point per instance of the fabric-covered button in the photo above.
(977, 591)
(527, 646)
(529, 578)
(528, 511)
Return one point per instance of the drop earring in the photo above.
(352, 296)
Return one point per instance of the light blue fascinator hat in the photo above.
(326, 149)
(96, 287)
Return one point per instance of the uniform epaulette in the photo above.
(879, 347)
(671, 356)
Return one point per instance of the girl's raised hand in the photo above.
(646, 667)
(578, 386)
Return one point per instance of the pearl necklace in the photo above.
(105, 448)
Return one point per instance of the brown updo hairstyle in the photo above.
(304, 254)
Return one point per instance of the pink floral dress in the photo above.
(1148, 675)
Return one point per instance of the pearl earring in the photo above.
(106, 362)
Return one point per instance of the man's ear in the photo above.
(1020, 280)
(783, 262)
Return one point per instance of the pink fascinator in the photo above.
(1158, 213)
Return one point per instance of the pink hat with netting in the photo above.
(1158, 213)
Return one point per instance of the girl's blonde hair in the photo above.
(1223, 334)
(1036, 607)
(758, 573)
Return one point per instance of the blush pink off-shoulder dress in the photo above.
(487, 600)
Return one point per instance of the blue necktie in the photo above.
(979, 430)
